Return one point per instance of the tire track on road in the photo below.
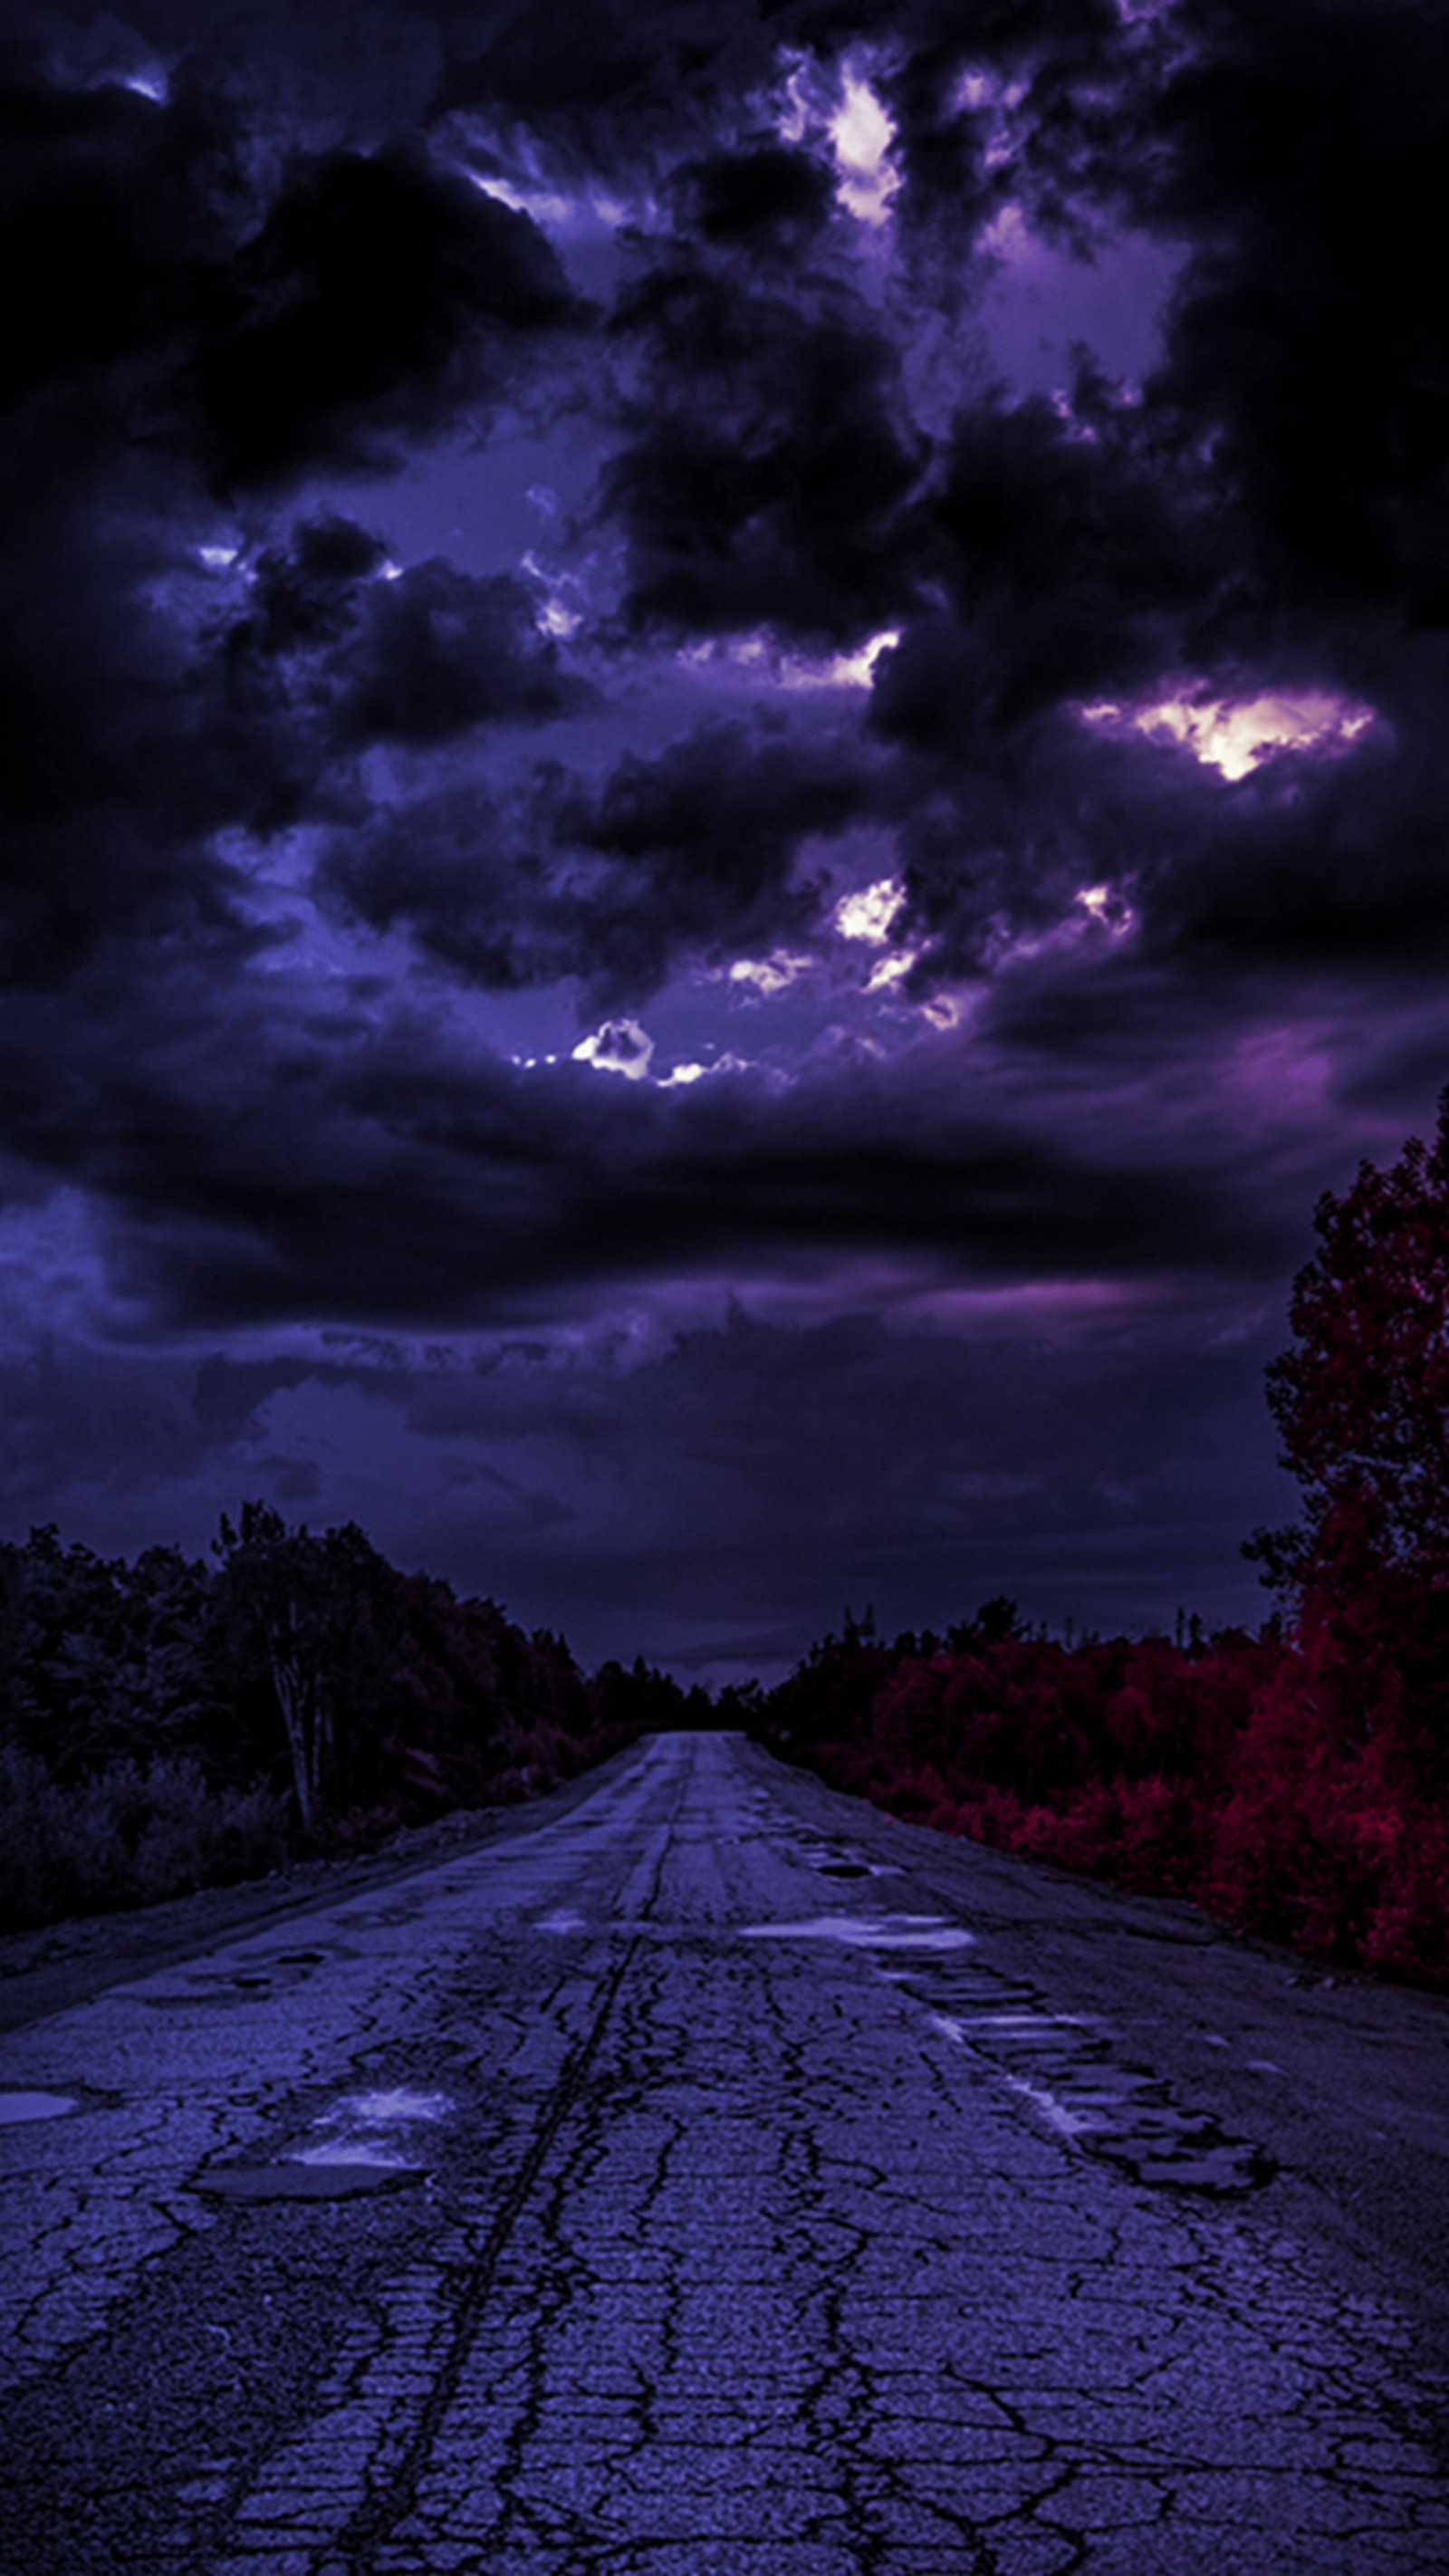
(393, 2459)
(372, 2525)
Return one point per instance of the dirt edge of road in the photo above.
(59, 1965)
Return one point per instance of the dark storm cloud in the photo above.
(1072, 551)
(767, 461)
(684, 858)
(126, 748)
(1059, 114)
(305, 593)
(1327, 866)
(718, 1499)
(751, 1468)
(199, 301)
(769, 198)
(263, 313)
(1304, 149)
(580, 67)
(439, 651)
(416, 657)
(231, 304)
(381, 297)
(365, 1165)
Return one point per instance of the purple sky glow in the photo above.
(727, 781)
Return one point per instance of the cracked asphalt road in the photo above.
(704, 2173)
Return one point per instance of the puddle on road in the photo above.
(831, 1859)
(15, 2107)
(293, 2180)
(362, 2148)
(868, 1931)
(363, 2128)
(379, 2110)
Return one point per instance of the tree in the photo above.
(1362, 1400)
(306, 1598)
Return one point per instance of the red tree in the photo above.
(1362, 1405)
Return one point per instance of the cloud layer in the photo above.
(434, 941)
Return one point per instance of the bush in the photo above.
(192, 1836)
(128, 1835)
(1258, 1777)
(1408, 1935)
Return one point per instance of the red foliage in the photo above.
(1250, 1775)
(1297, 1785)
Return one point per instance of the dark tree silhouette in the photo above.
(1362, 1400)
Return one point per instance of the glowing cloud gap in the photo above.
(812, 102)
(868, 913)
(861, 135)
(773, 974)
(620, 1046)
(757, 656)
(1235, 735)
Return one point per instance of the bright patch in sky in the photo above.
(544, 206)
(1105, 906)
(758, 656)
(890, 970)
(848, 113)
(861, 134)
(620, 1046)
(846, 670)
(769, 974)
(554, 614)
(1236, 734)
(869, 913)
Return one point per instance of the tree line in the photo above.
(1296, 1781)
(173, 1721)
(176, 1721)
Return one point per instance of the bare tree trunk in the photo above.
(293, 1696)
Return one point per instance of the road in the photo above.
(706, 2176)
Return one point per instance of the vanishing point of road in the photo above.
(699, 2174)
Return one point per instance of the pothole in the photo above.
(868, 1931)
(298, 2181)
(16, 2106)
(361, 2143)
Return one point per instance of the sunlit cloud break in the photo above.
(853, 122)
(861, 135)
(869, 912)
(773, 974)
(1236, 735)
(620, 1046)
(759, 657)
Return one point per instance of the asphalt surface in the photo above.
(704, 2173)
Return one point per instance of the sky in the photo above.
(726, 781)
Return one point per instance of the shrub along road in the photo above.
(704, 2172)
